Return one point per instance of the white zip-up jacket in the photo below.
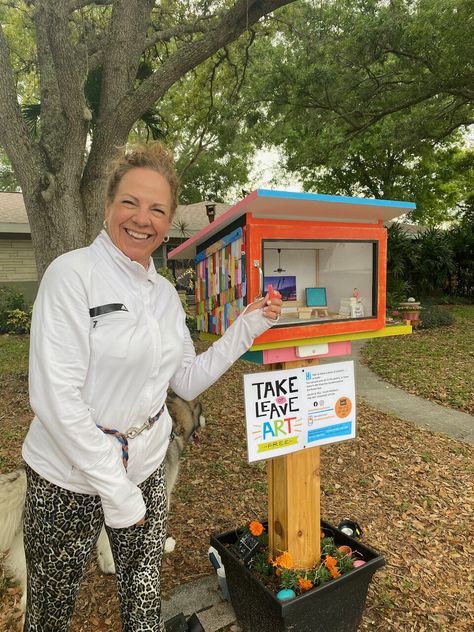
(108, 337)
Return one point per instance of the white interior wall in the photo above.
(295, 262)
(347, 266)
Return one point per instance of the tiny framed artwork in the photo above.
(285, 284)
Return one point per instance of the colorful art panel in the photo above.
(220, 283)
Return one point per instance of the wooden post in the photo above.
(294, 521)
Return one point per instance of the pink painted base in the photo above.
(288, 354)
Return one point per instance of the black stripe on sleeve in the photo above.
(106, 309)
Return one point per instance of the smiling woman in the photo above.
(139, 216)
(108, 339)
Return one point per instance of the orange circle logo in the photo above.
(343, 407)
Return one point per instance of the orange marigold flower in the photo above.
(304, 584)
(330, 562)
(284, 560)
(334, 572)
(256, 528)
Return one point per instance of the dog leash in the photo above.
(134, 431)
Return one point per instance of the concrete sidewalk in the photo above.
(395, 401)
(204, 597)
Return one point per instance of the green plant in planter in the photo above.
(282, 573)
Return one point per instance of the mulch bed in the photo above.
(411, 491)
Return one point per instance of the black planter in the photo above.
(334, 607)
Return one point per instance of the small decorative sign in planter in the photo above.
(336, 606)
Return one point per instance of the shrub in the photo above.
(462, 242)
(435, 264)
(10, 300)
(447, 299)
(19, 321)
(432, 317)
(398, 293)
(166, 272)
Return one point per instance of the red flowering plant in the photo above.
(394, 317)
(282, 572)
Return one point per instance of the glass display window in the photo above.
(322, 281)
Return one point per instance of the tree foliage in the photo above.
(369, 97)
(95, 69)
(431, 264)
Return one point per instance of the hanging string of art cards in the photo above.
(220, 283)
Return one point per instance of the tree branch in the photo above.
(165, 35)
(127, 33)
(53, 124)
(242, 15)
(399, 53)
(201, 146)
(69, 60)
(14, 136)
(95, 44)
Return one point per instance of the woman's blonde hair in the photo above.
(153, 156)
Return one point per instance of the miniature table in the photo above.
(305, 313)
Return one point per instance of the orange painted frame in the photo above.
(259, 230)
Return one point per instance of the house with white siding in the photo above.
(17, 260)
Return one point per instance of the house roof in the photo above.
(189, 218)
(13, 217)
(410, 229)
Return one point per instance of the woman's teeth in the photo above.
(137, 235)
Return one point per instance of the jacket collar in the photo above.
(109, 251)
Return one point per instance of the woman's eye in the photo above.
(158, 210)
(128, 202)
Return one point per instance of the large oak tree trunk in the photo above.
(57, 225)
(62, 171)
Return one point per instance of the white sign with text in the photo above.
(293, 409)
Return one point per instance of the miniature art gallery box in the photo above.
(325, 254)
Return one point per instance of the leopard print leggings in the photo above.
(61, 529)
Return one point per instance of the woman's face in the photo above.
(139, 216)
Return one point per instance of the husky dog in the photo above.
(187, 419)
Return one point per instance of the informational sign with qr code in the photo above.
(294, 409)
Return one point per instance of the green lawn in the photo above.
(14, 355)
(437, 364)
